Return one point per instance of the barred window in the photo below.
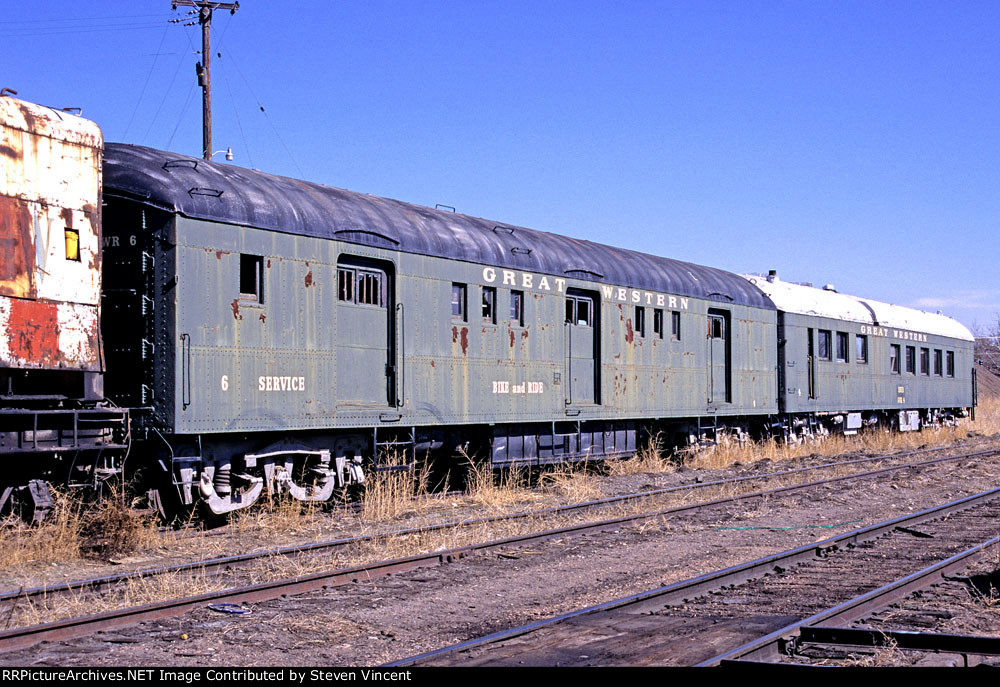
(361, 286)
(458, 302)
(517, 308)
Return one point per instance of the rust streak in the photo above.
(465, 340)
(512, 338)
(309, 278)
(629, 334)
(236, 309)
(17, 258)
(454, 334)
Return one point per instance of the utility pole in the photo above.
(203, 68)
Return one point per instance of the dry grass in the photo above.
(74, 530)
(57, 539)
(572, 484)
(884, 657)
(651, 458)
(390, 494)
(729, 453)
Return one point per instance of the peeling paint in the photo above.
(629, 334)
(236, 309)
(465, 340)
(33, 332)
(454, 334)
(309, 279)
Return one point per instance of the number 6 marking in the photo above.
(224, 382)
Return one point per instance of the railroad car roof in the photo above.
(808, 300)
(226, 193)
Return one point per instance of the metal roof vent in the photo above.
(829, 287)
(772, 276)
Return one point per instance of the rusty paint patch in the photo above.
(236, 309)
(512, 338)
(219, 254)
(454, 334)
(8, 151)
(263, 317)
(309, 278)
(465, 340)
(629, 334)
(67, 216)
(524, 334)
(16, 249)
(33, 331)
(432, 364)
(269, 263)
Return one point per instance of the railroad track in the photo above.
(758, 610)
(23, 637)
(229, 564)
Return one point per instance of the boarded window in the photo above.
(640, 321)
(675, 326)
(658, 323)
(252, 278)
(72, 244)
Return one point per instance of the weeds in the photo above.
(650, 458)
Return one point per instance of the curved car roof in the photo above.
(808, 300)
(226, 193)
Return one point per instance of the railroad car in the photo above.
(272, 334)
(845, 362)
(54, 424)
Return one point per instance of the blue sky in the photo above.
(852, 143)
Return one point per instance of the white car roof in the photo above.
(808, 300)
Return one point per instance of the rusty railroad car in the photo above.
(274, 334)
(55, 426)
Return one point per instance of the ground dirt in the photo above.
(391, 618)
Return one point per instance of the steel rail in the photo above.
(698, 586)
(221, 565)
(20, 638)
(782, 641)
